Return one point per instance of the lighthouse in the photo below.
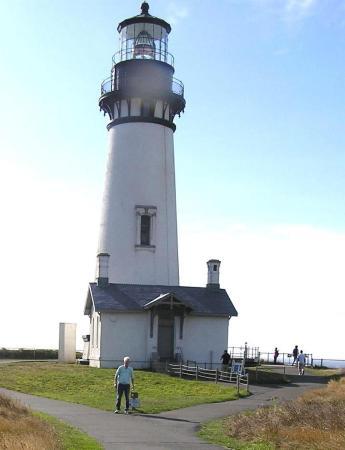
(141, 98)
(136, 305)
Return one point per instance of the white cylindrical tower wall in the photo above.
(140, 180)
(213, 273)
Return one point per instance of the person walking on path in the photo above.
(301, 363)
(295, 355)
(225, 361)
(276, 354)
(123, 379)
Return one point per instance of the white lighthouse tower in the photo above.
(138, 233)
(136, 305)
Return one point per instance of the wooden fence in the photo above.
(199, 373)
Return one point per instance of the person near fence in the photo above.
(225, 361)
(295, 355)
(301, 363)
(123, 379)
(275, 356)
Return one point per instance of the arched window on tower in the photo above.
(146, 227)
(144, 46)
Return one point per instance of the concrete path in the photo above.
(165, 431)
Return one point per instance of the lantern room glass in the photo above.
(144, 41)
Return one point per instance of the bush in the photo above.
(25, 353)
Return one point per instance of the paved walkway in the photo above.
(165, 431)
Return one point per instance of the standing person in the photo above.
(123, 379)
(301, 363)
(295, 355)
(225, 361)
(276, 354)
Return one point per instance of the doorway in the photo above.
(166, 328)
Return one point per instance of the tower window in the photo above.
(146, 227)
(145, 230)
(214, 268)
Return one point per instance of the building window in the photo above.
(214, 268)
(97, 331)
(145, 229)
(92, 332)
(146, 226)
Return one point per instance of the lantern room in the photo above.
(144, 37)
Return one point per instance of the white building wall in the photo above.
(140, 171)
(204, 338)
(123, 334)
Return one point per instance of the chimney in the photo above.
(213, 274)
(102, 275)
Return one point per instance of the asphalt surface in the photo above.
(165, 431)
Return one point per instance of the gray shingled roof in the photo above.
(133, 297)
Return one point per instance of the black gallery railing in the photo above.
(109, 85)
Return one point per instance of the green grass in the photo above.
(94, 387)
(69, 437)
(214, 432)
(321, 372)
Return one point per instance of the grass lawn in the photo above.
(70, 438)
(324, 372)
(94, 387)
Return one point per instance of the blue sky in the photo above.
(259, 160)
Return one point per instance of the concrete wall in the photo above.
(123, 334)
(204, 338)
(140, 171)
(67, 342)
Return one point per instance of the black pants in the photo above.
(122, 388)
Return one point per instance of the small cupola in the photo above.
(213, 273)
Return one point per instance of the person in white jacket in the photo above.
(301, 363)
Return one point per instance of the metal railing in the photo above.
(245, 352)
(284, 358)
(155, 55)
(109, 85)
(216, 375)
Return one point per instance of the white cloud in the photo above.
(176, 12)
(302, 5)
(285, 281)
(298, 9)
(48, 245)
(289, 11)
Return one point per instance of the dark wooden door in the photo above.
(166, 336)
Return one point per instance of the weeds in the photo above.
(19, 429)
(314, 421)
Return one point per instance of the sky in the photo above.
(259, 156)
